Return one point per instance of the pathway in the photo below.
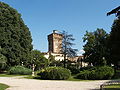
(17, 83)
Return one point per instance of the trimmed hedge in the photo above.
(99, 73)
(74, 70)
(20, 70)
(54, 73)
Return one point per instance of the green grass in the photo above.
(112, 87)
(70, 79)
(3, 86)
(7, 75)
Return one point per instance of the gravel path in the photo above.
(17, 83)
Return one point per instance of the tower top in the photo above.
(56, 31)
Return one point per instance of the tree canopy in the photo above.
(38, 59)
(15, 37)
(95, 47)
(114, 43)
(67, 43)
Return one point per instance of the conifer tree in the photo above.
(15, 37)
(115, 43)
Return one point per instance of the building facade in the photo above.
(55, 46)
(55, 42)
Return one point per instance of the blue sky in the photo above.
(73, 16)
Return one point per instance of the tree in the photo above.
(67, 44)
(114, 43)
(38, 59)
(115, 11)
(52, 61)
(15, 37)
(95, 47)
(3, 62)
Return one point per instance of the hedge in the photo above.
(20, 70)
(54, 73)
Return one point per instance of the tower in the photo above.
(55, 42)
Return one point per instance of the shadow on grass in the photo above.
(111, 88)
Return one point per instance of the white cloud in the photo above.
(80, 52)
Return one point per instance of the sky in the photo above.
(73, 16)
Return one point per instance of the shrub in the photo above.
(117, 75)
(74, 70)
(103, 72)
(83, 75)
(55, 73)
(88, 68)
(20, 70)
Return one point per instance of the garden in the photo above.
(17, 56)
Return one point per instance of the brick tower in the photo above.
(55, 42)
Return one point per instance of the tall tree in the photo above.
(15, 37)
(67, 44)
(3, 61)
(114, 43)
(95, 47)
(114, 40)
(115, 11)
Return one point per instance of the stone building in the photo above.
(55, 46)
(55, 42)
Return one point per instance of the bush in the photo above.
(74, 70)
(55, 73)
(20, 70)
(117, 75)
(88, 68)
(83, 75)
(103, 72)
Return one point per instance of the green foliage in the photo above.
(114, 43)
(95, 48)
(51, 58)
(15, 37)
(99, 73)
(83, 75)
(37, 58)
(20, 70)
(55, 73)
(112, 87)
(104, 72)
(88, 68)
(73, 69)
(67, 44)
(3, 62)
(53, 62)
(117, 74)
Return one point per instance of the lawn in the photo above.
(3, 86)
(7, 75)
(112, 87)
